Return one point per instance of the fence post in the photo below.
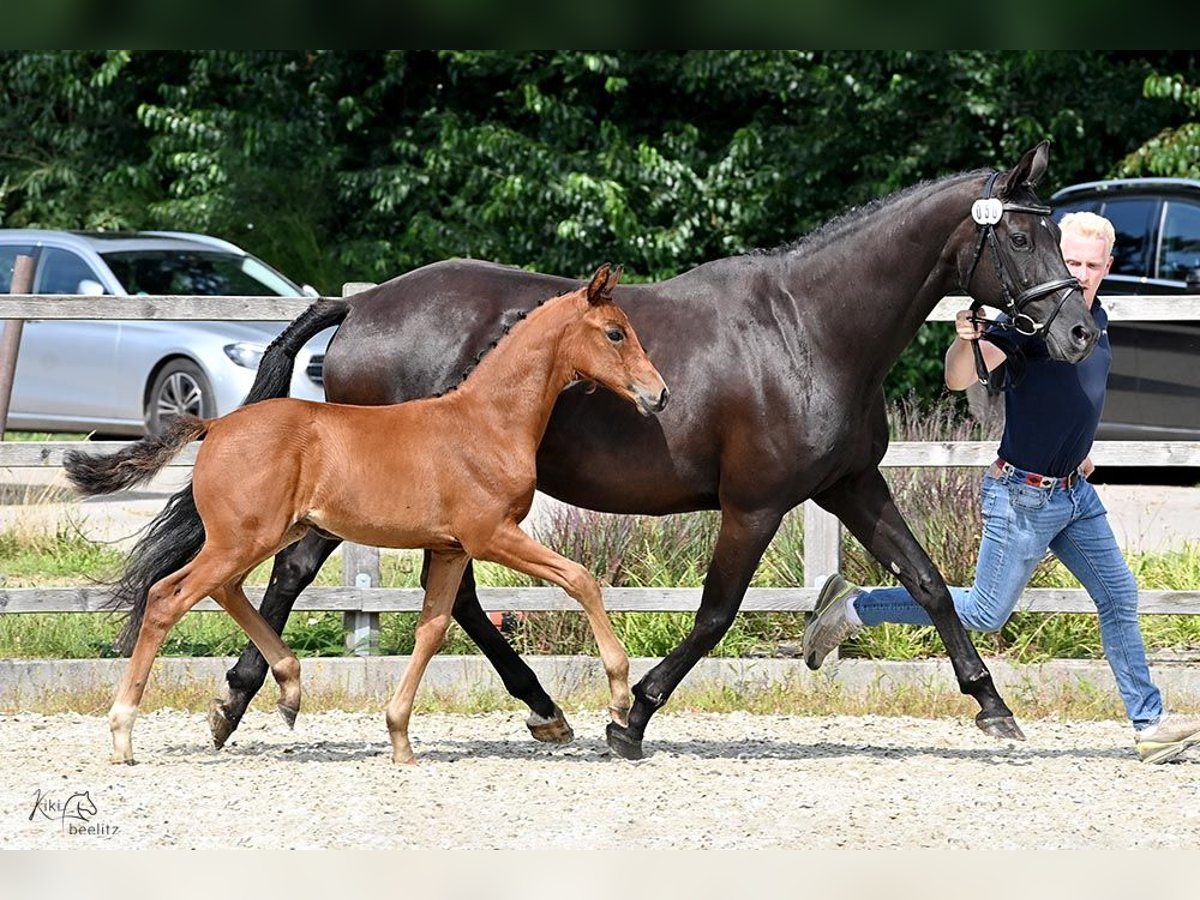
(822, 544)
(10, 341)
(360, 568)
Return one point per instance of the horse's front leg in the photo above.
(742, 540)
(546, 721)
(512, 547)
(294, 569)
(443, 577)
(864, 503)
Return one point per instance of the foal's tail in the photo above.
(176, 535)
(171, 540)
(275, 370)
(133, 464)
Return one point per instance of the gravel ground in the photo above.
(709, 781)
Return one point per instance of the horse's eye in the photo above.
(1020, 241)
(616, 335)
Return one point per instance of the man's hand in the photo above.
(1087, 467)
(966, 327)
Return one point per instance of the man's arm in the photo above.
(960, 359)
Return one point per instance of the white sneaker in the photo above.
(1167, 738)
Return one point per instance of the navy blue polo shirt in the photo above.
(1052, 415)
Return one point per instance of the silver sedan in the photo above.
(127, 377)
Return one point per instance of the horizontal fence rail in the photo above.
(544, 599)
(1177, 307)
(361, 600)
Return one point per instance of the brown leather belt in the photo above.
(1000, 468)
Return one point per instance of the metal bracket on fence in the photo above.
(360, 569)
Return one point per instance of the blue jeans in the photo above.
(1020, 522)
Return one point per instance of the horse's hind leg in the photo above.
(166, 602)
(512, 547)
(294, 569)
(165, 605)
(284, 665)
(444, 574)
(546, 721)
(864, 503)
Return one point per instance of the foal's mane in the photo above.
(837, 227)
(518, 317)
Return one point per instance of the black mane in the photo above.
(836, 228)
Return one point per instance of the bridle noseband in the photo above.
(987, 212)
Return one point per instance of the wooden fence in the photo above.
(361, 600)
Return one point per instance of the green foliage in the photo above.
(349, 166)
(1175, 151)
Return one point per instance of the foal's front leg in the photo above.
(512, 547)
(445, 573)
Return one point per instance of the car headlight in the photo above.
(248, 356)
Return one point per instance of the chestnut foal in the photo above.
(453, 474)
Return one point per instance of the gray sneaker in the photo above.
(1167, 738)
(829, 626)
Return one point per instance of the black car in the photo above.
(1154, 385)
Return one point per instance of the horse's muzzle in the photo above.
(649, 403)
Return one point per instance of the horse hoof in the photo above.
(289, 714)
(219, 723)
(622, 744)
(1003, 727)
(556, 730)
(619, 714)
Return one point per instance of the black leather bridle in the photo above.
(987, 211)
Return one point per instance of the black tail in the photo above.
(275, 370)
(175, 535)
(171, 541)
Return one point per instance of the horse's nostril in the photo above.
(1081, 334)
(662, 398)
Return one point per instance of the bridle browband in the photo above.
(987, 211)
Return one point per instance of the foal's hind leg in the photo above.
(284, 665)
(512, 547)
(445, 572)
(166, 602)
(294, 569)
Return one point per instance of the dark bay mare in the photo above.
(776, 361)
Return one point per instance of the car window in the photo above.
(8, 259)
(1061, 210)
(192, 273)
(1180, 251)
(61, 271)
(1133, 219)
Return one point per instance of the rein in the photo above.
(987, 213)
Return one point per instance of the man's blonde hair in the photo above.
(1089, 225)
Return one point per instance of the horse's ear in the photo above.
(1029, 171)
(614, 278)
(598, 290)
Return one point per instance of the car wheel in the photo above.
(180, 388)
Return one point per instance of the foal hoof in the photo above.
(1003, 727)
(289, 714)
(556, 730)
(622, 743)
(219, 723)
